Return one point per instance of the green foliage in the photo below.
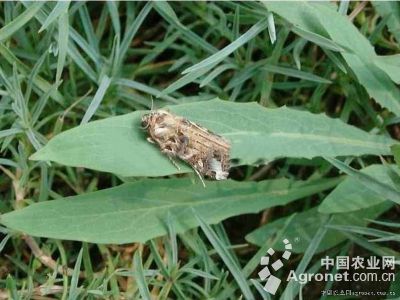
(306, 92)
(304, 225)
(137, 212)
(118, 144)
(351, 195)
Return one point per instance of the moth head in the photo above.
(146, 120)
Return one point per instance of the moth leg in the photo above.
(170, 155)
(150, 140)
(167, 149)
(174, 162)
(199, 175)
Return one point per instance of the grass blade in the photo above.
(98, 97)
(214, 59)
(74, 291)
(63, 31)
(226, 256)
(139, 276)
(295, 73)
(60, 8)
(16, 24)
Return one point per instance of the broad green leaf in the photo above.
(323, 19)
(396, 153)
(370, 183)
(351, 194)
(305, 224)
(257, 134)
(390, 64)
(138, 211)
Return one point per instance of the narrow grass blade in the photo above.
(295, 73)
(8, 162)
(317, 39)
(373, 247)
(81, 62)
(139, 276)
(16, 24)
(186, 79)
(60, 8)
(63, 32)
(226, 256)
(4, 242)
(39, 82)
(166, 11)
(343, 7)
(88, 27)
(113, 10)
(8, 132)
(271, 27)
(298, 48)
(223, 53)
(98, 97)
(133, 28)
(217, 71)
(290, 291)
(144, 88)
(74, 291)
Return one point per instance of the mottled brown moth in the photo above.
(206, 152)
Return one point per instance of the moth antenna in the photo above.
(152, 103)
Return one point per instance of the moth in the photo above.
(206, 152)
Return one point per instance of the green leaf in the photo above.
(323, 19)
(257, 134)
(396, 153)
(390, 64)
(305, 224)
(351, 194)
(138, 211)
(370, 183)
